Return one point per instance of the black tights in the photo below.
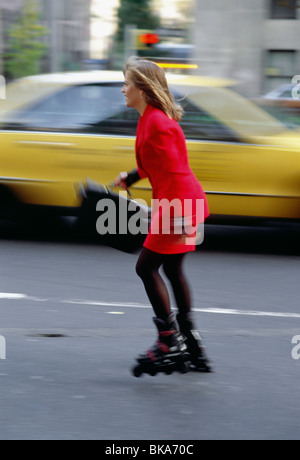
(147, 268)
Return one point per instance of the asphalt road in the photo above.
(74, 316)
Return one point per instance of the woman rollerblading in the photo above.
(162, 157)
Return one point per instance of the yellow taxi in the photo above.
(57, 130)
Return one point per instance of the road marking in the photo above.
(115, 312)
(12, 296)
(231, 311)
(103, 303)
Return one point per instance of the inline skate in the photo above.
(168, 354)
(194, 343)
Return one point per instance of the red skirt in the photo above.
(175, 228)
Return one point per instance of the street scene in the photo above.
(74, 317)
(149, 222)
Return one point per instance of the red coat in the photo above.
(162, 157)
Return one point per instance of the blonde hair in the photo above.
(150, 78)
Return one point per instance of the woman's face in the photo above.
(132, 93)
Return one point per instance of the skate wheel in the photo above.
(208, 369)
(137, 371)
(202, 366)
(184, 367)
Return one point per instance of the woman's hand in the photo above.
(120, 181)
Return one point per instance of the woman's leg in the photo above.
(173, 268)
(170, 342)
(147, 268)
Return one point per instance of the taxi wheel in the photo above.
(8, 202)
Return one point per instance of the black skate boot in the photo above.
(194, 343)
(168, 354)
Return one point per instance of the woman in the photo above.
(161, 156)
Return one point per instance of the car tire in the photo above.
(8, 202)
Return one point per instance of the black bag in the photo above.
(112, 215)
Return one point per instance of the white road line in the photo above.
(98, 303)
(221, 311)
(230, 311)
(103, 303)
(12, 296)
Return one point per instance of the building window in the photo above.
(284, 9)
(280, 67)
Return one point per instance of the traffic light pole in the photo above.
(1, 41)
(129, 40)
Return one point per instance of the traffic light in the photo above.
(146, 39)
(149, 39)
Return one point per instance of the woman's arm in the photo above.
(126, 179)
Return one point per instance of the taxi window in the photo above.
(196, 123)
(200, 125)
(123, 123)
(101, 109)
(77, 108)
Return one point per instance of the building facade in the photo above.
(256, 43)
(68, 23)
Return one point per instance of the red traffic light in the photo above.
(149, 39)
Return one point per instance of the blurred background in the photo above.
(252, 47)
(254, 42)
